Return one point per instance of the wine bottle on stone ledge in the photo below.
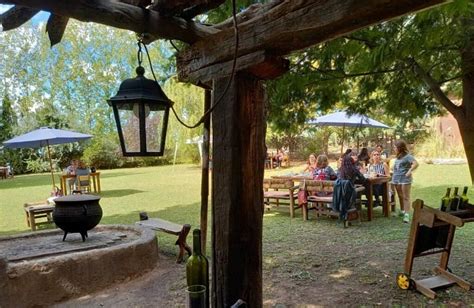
(197, 266)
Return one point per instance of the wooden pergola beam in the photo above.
(293, 25)
(190, 8)
(123, 16)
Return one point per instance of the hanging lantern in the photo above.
(141, 111)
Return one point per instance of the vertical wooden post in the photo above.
(237, 193)
(205, 172)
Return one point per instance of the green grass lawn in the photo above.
(298, 257)
(173, 193)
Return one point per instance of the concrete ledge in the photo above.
(47, 280)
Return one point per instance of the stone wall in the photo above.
(47, 280)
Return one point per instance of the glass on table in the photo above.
(196, 296)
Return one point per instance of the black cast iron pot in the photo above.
(77, 214)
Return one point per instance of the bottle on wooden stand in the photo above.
(464, 199)
(455, 201)
(197, 266)
(445, 200)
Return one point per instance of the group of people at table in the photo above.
(358, 167)
(73, 172)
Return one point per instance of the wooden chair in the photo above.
(38, 210)
(275, 190)
(83, 183)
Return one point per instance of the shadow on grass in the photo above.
(118, 174)
(24, 181)
(32, 180)
(180, 214)
(114, 193)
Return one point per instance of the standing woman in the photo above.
(402, 178)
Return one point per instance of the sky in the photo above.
(38, 18)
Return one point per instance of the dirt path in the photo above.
(311, 264)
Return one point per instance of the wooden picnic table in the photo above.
(295, 178)
(384, 180)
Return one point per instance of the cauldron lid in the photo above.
(77, 198)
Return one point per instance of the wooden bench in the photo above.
(169, 227)
(320, 200)
(38, 210)
(275, 190)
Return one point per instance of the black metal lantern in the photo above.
(141, 111)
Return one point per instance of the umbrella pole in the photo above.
(51, 165)
(342, 141)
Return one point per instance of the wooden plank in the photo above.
(55, 27)
(425, 291)
(160, 224)
(237, 197)
(434, 282)
(187, 9)
(427, 219)
(443, 263)
(293, 25)
(461, 282)
(260, 64)
(122, 16)
(15, 17)
(141, 3)
(418, 206)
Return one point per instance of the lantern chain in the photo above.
(211, 109)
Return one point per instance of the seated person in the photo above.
(383, 153)
(311, 164)
(377, 168)
(82, 170)
(359, 165)
(323, 171)
(71, 169)
(345, 196)
(349, 171)
(364, 157)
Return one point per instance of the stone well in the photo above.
(39, 269)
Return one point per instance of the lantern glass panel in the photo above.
(154, 128)
(130, 123)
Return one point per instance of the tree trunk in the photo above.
(237, 195)
(465, 116)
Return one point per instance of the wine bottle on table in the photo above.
(464, 199)
(445, 200)
(197, 266)
(455, 200)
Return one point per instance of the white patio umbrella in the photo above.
(45, 136)
(343, 119)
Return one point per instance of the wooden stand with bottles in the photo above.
(432, 232)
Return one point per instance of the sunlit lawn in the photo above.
(296, 254)
(173, 193)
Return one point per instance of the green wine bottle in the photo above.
(455, 200)
(197, 266)
(464, 199)
(445, 200)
